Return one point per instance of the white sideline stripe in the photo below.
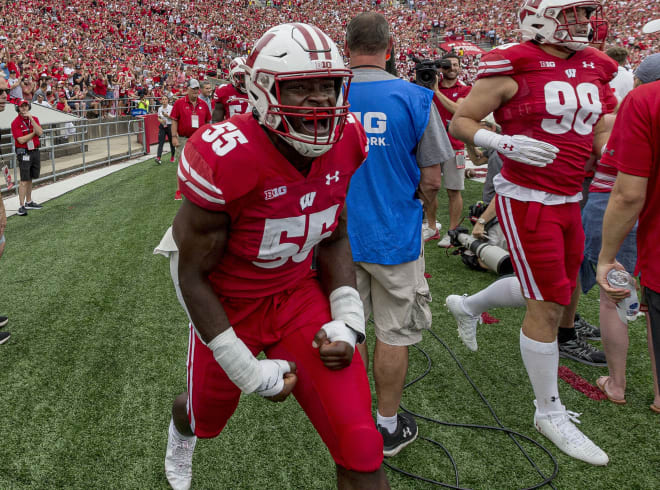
(198, 178)
(198, 191)
(518, 246)
(191, 355)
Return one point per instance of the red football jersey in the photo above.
(277, 214)
(634, 148)
(233, 101)
(458, 91)
(559, 101)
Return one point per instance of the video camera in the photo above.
(426, 71)
(478, 254)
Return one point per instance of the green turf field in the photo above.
(98, 352)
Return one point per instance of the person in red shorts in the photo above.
(263, 191)
(549, 94)
(634, 149)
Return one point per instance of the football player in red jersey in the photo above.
(549, 94)
(262, 190)
(231, 98)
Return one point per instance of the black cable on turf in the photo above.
(501, 428)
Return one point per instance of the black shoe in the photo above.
(3, 321)
(158, 160)
(21, 211)
(582, 351)
(32, 205)
(405, 433)
(4, 337)
(585, 329)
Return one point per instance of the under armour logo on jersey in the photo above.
(307, 200)
(571, 72)
(507, 147)
(329, 178)
(407, 432)
(588, 65)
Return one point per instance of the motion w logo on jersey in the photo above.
(374, 123)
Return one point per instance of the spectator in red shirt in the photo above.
(26, 130)
(189, 113)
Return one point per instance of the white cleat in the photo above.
(178, 460)
(467, 324)
(560, 428)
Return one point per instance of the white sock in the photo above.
(541, 359)
(388, 422)
(502, 293)
(177, 434)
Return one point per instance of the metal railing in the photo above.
(78, 146)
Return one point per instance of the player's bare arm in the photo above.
(625, 204)
(218, 112)
(602, 131)
(337, 273)
(486, 96)
(201, 237)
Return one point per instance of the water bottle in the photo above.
(628, 307)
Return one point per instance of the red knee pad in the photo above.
(361, 449)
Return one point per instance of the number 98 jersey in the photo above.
(559, 101)
(277, 214)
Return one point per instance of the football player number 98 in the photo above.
(223, 137)
(579, 108)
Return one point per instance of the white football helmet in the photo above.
(293, 52)
(237, 73)
(557, 22)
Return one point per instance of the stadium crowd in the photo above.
(87, 53)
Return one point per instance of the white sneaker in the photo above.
(445, 242)
(178, 460)
(559, 427)
(429, 234)
(467, 324)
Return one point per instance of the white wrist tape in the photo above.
(237, 361)
(337, 330)
(346, 306)
(272, 374)
(486, 139)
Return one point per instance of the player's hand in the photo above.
(615, 294)
(175, 141)
(527, 150)
(335, 346)
(279, 378)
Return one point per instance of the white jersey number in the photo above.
(578, 108)
(274, 253)
(224, 137)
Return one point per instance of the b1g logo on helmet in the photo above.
(323, 65)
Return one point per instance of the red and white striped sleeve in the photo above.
(197, 180)
(495, 63)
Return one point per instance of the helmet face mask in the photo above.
(568, 23)
(299, 52)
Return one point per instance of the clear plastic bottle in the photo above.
(628, 307)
